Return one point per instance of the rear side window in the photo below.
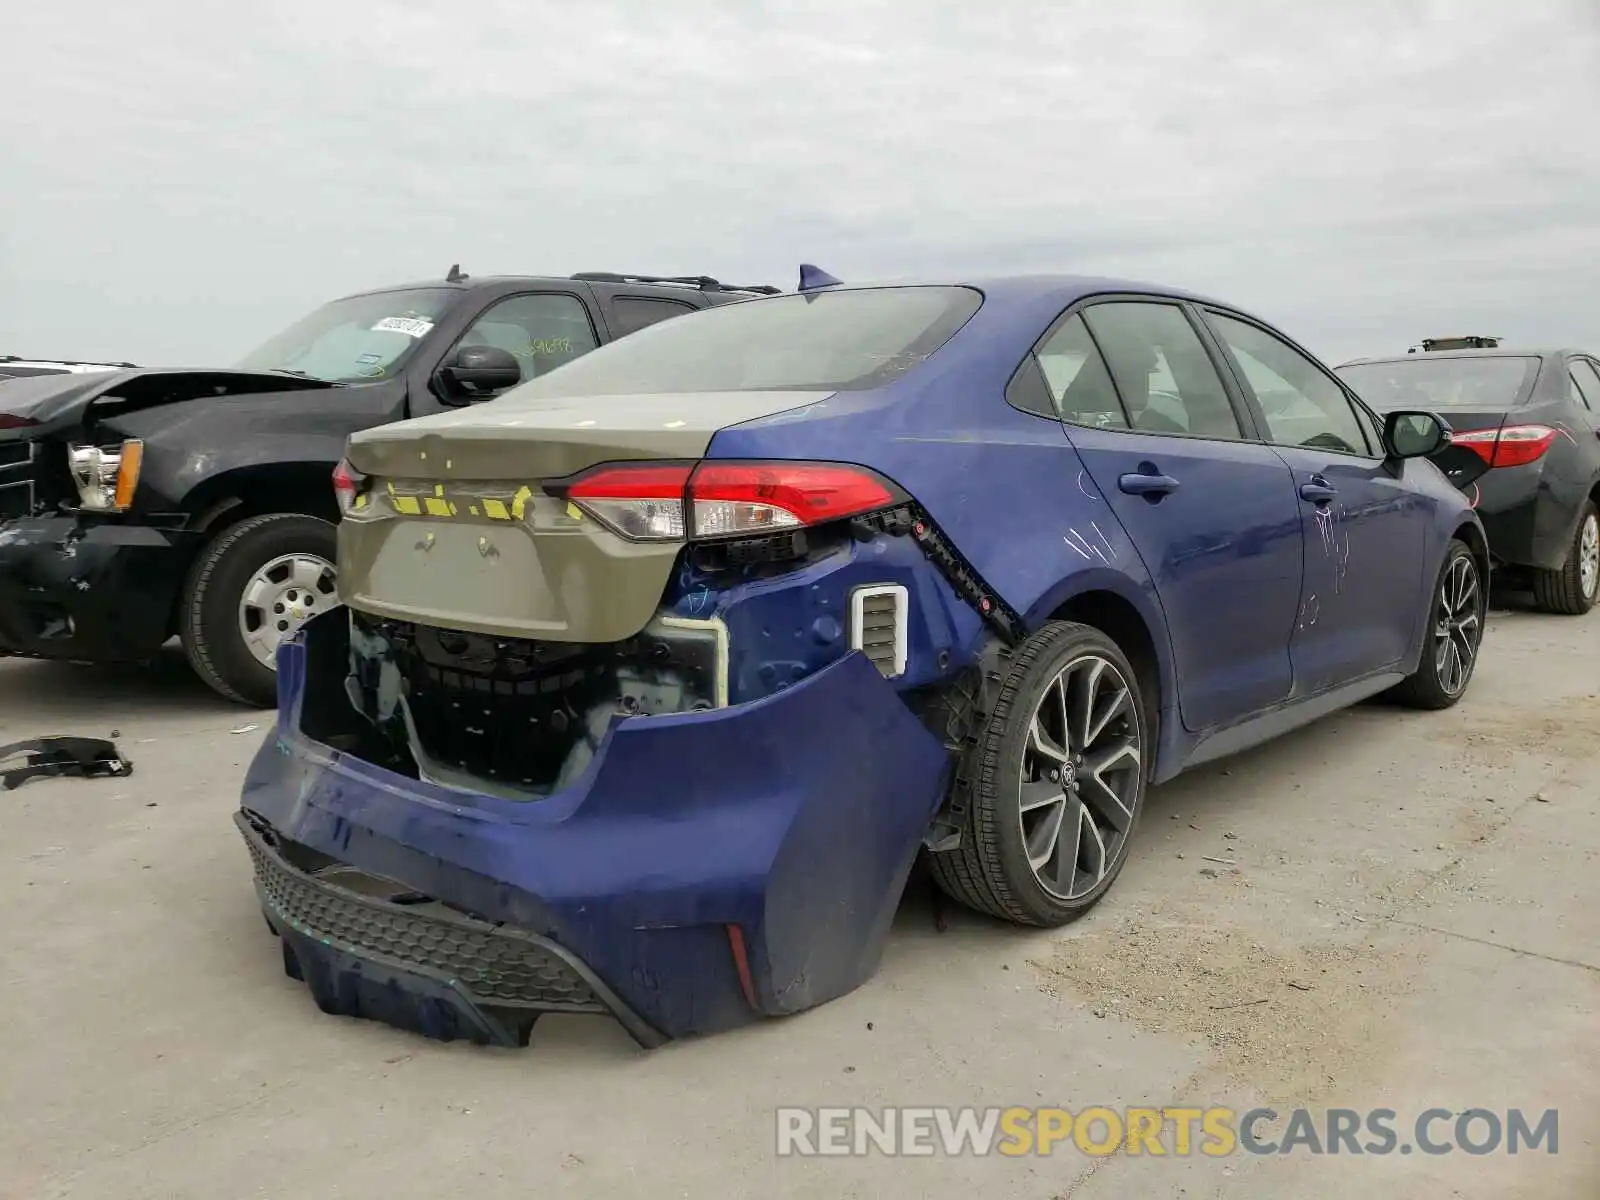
(633, 313)
(834, 340)
(1079, 383)
(1167, 381)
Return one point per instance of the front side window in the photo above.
(1302, 405)
(355, 340)
(1080, 385)
(543, 330)
(835, 340)
(1166, 379)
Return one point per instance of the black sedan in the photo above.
(1525, 448)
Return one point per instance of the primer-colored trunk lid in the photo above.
(456, 531)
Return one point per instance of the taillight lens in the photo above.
(12, 421)
(1513, 446)
(348, 484)
(740, 498)
(678, 501)
(644, 503)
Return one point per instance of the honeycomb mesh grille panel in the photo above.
(493, 964)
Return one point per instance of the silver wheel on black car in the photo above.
(1054, 785)
(255, 584)
(281, 596)
(1572, 588)
(1459, 606)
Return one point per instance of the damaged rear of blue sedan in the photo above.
(656, 675)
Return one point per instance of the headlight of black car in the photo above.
(106, 476)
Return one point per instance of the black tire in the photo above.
(1562, 591)
(990, 870)
(208, 616)
(1429, 686)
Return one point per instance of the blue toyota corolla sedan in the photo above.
(656, 674)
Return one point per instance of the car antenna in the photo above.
(455, 275)
(813, 278)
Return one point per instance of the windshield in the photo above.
(354, 340)
(1489, 383)
(821, 341)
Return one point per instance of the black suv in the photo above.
(140, 504)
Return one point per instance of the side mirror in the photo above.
(479, 372)
(1414, 434)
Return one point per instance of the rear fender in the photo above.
(1005, 487)
(1131, 585)
(793, 621)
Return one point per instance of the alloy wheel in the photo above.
(1589, 555)
(1081, 777)
(282, 596)
(1458, 625)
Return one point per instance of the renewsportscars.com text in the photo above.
(1175, 1131)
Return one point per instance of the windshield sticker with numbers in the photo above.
(410, 326)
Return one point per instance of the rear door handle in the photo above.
(1317, 493)
(1137, 483)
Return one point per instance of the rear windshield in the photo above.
(1492, 383)
(822, 341)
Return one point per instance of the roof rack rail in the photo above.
(704, 282)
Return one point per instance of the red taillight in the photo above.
(648, 481)
(12, 421)
(732, 498)
(676, 501)
(643, 502)
(1513, 446)
(347, 483)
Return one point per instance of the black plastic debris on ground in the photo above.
(86, 758)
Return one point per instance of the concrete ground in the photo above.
(1389, 909)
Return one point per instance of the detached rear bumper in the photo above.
(709, 869)
(439, 973)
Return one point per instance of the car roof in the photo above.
(1043, 287)
(1035, 301)
(648, 286)
(1497, 352)
(1053, 288)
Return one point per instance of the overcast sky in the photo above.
(178, 180)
